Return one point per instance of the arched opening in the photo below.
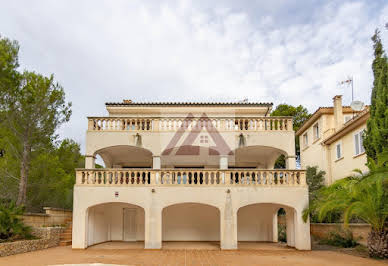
(196, 223)
(263, 157)
(125, 156)
(282, 225)
(115, 221)
(261, 222)
(190, 156)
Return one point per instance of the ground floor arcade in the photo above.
(220, 216)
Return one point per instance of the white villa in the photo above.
(189, 172)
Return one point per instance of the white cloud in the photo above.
(165, 51)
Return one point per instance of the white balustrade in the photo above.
(190, 177)
(174, 124)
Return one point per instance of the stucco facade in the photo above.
(332, 140)
(189, 172)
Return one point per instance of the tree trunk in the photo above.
(21, 200)
(378, 244)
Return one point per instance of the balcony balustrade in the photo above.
(174, 124)
(190, 177)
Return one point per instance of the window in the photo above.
(316, 131)
(305, 140)
(358, 143)
(338, 149)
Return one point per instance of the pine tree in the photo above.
(376, 136)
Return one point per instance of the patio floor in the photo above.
(196, 253)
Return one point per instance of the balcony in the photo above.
(191, 123)
(190, 177)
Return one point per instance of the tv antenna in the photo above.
(355, 105)
(348, 81)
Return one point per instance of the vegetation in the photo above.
(35, 168)
(376, 136)
(341, 238)
(365, 196)
(11, 226)
(282, 233)
(300, 115)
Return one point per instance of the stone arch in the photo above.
(258, 221)
(255, 156)
(191, 221)
(108, 221)
(125, 156)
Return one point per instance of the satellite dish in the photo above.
(357, 105)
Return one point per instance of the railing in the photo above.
(190, 177)
(174, 124)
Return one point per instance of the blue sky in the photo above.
(279, 51)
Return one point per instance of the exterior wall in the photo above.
(344, 166)
(191, 222)
(227, 201)
(255, 222)
(105, 223)
(281, 142)
(324, 156)
(360, 231)
(314, 153)
(52, 216)
(49, 237)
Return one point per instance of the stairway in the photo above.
(66, 235)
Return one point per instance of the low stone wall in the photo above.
(49, 237)
(322, 230)
(52, 216)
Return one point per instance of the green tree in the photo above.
(364, 197)
(32, 107)
(300, 115)
(376, 135)
(11, 226)
(52, 176)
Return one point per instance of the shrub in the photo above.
(342, 238)
(11, 226)
(282, 233)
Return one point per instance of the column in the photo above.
(275, 226)
(302, 232)
(228, 225)
(223, 162)
(90, 161)
(156, 162)
(153, 225)
(79, 240)
(290, 229)
(291, 162)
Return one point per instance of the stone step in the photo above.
(65, 243)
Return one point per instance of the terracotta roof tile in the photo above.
(129, 103)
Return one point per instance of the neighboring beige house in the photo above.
(189, 172)
(332, 140)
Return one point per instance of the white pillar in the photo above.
(223, 162)
(290, 228)
(79, 239)
(302, 232)
(291, 162)
(228, 225)
(156, 162)
(275, 226)
(153, 225)
(90, 161)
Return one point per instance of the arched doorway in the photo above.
(191, 222)
(260, 223)
(115, 222)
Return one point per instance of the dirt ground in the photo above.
(185, 254)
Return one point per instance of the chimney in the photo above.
(338, 115)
